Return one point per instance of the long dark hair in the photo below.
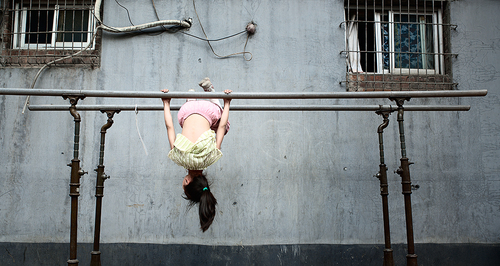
(198, 191)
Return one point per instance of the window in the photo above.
(395, 44)
(53, 27)
(38, 32)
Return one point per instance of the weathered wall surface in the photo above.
(285, 178)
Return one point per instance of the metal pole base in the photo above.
(96, 258)
(411, 260)
(388, 259)
(73, 262)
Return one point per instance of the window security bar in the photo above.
(398, 38)
(37, 32)
(393, 52)
(346, 22)
(390, 82)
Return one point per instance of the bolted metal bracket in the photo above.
(104, 176)
(399, 171)
(73, 99)
(81, 172)
(385, 116)
(111, 113)
(400, 101)
(384, 113)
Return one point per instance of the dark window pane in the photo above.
(413, 41)
(38, 26)
(74, 24)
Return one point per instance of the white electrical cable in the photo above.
(97, 13)
(146, 26)
(26, 103)
(97, 8)
(138, 132)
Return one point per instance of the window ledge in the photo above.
(37, 58)
(397, 82)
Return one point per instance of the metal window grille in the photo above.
(36, 32)
(397, 45)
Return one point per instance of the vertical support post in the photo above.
(99, 191)
(74, 185)
(404, 172)
(384, 189)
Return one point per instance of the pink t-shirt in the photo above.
(210, 111)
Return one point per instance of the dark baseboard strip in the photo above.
(122, 254)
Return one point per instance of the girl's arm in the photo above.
(221, 130)
(168, 120)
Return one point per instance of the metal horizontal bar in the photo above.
(244, 95)
(258, 107)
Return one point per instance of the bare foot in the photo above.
(206, 84)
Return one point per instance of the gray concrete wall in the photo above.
(285, 178)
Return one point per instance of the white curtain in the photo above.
(423, 42)
(353, 54)
(378, 43)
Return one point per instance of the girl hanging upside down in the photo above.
(204, 124)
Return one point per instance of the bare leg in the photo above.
(190, 99)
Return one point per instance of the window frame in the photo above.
(20, 20)
(437, 44)
(376, 49)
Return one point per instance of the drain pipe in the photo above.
(99, 190)
(384, 189)
(74, 185)
(404, 172)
